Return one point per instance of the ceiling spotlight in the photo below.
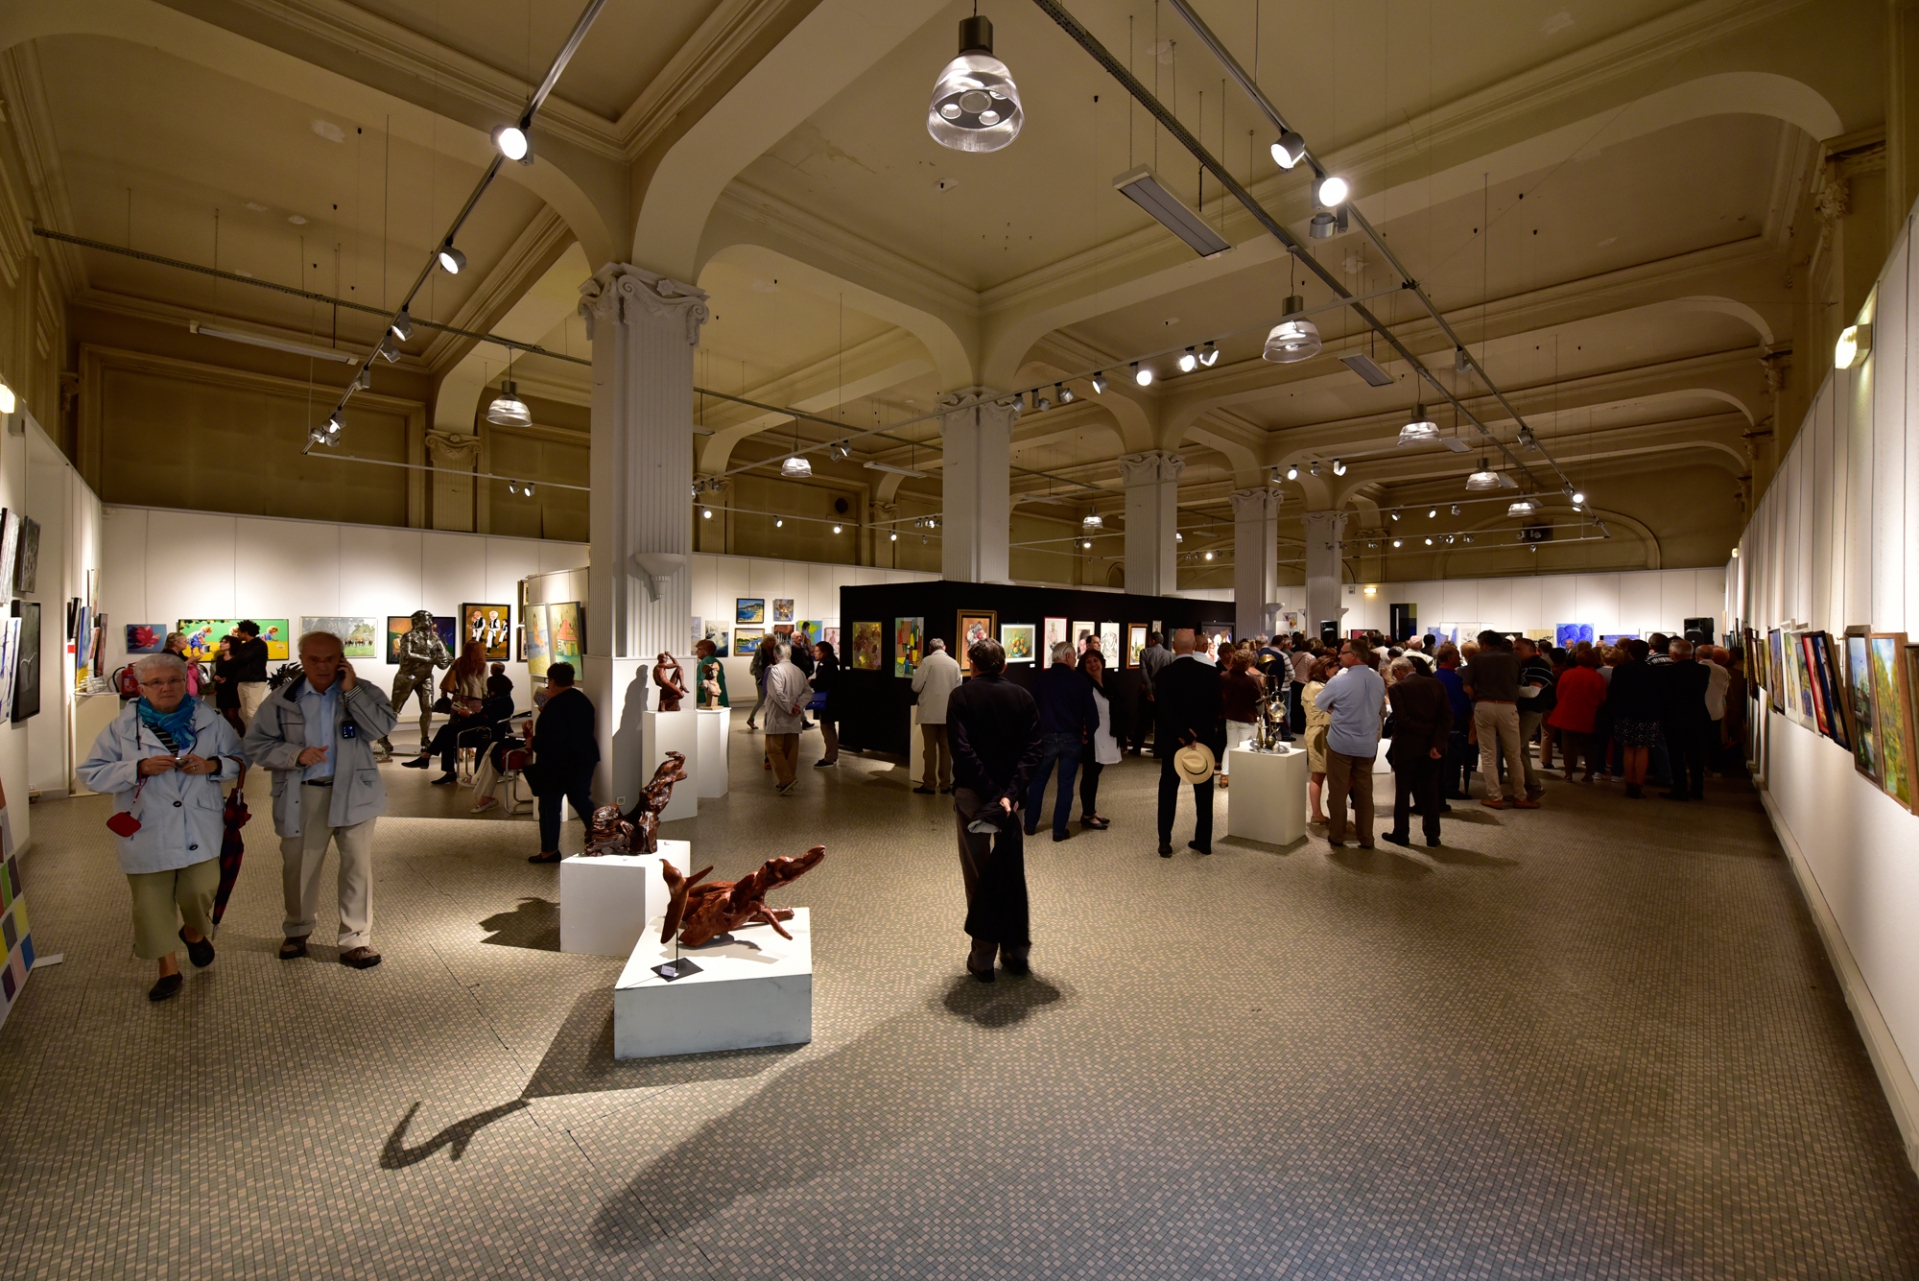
(402, 325)
(839, 451)
(706, 513)
(1449, 540)
(511, 140)
(363, 381)
(1339, 468)
(1142, 374)
(836, 529)
(1578, 496)
(893, 537)
(1432, 513)
(1397, 542)
(451, 260)
(1209, 555)
(512, 487)
(1292, 340)
(1461, 363)
(1292, 471)
(332, 428)
(975, 104)
(1522, 507)
(1087, 544)
(1188, 361)
(1178, 537)
(388, 350)
(1062, 393)
(780, 523)
(8, 401)
(1323, 226)
(796, 468)
(1209, 355)
(1019, 402)
(1526, 438)
(508, 410)
(1455, 509)
(1093, 520)
(1288, 149)
(1314, 469)
(1419, 428)
(1274, 472)
(1429, 542)
(1099, 383)
(1331, 191)
(1040, 403)
(1469, 538)
(1395, 515)
(1854, 341)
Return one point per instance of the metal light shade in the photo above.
(975, 104)
(1292, 341)
(1093, 520)
(1524, 507)
(1487, 478)
(1420, 430)
(796, 468)
(508, 410)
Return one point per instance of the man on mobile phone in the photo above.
(317, 735)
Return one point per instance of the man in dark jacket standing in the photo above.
(565, 750)
(1422, 736)
(1187, 709)
(248, 668)
(1067, 721)
(1685, 720)
(1535, 674)
(993, 727)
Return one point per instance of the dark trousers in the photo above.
(446, 742)
(1142, 721)
(1295, 709)
(1169, 785)
(1065, 749)
(578, 790)
(1415, 786)
(1089, 786)
(1686, 745)
(1456, 773)
(993, 867)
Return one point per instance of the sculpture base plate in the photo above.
(684, 968)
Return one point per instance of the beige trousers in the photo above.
(784, 751)
(1497, 727)
(162, 901)
(252, 694)
(937, 757)
(302, 858)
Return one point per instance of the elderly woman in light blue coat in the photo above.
(163, 759)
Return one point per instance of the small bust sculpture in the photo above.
(672, 683)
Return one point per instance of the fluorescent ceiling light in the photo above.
(1455, 444)
(277, 344)
(1143, 187)
(1366, 368)
(897, 471)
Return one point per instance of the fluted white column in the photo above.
(1152, 521)
(1255, 559)
(976, 442)
(1325, 532)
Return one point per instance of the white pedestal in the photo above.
(1267, 801)
(715, 724)
(756, 990)
(605, 902)
(663, 732)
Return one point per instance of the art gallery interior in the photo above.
(594, 329)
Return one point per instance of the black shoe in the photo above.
(1032, 831)
(984, 976)
(360, 958)
(1634, 792)
(418, 762)
(1396, 838)
(1063, 834)
(1165, 850)
(444, 779)
(293, 948)
(923, 791)
(1676, 796)
(201, 953)
(168, 986)
(824, 764)
(1094, 824)
(1432, 842)
(1195, 845)
(1445, 808)
(1015, 965)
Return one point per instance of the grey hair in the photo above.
(318, 635)
(935, 643)
(1399, 665)
(784, 650)
(1063, 653)
(147, 662)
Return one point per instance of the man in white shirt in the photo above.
(938, 676)
(1714, 659)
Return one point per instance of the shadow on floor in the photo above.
(534, 924)
(1379, 862)
(580, 1059)
(1250, 845)
(1453, 856)
(396, 1155)
(999, 1004)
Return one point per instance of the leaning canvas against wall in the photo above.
(26, 671)
(1893, 698)
(535, 650)
(1857, 667)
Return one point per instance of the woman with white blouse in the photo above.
(1102, 749)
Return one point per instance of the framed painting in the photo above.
(1855, 672)
(26, 669)
(278, 634)
(203, 635)
(1083, 632)
(1814, 699)
(909, 643)
(1567, 635)
(146, 638)
(749, 611)
(1135, 643)
(359, 637)
(782, 610)
(1109, 643)
(26, 578)
(492, 626)
(1051, 632)
(398, 625)
(1776, 668)
(809, 631)
(1017, 639)
(746, 641)
(536, 650)
(1892, 696)
(566, 632)
(869, 642)
(9, 659)
(1802, 678)
(1831, 690)
(974, 625)
(831, 635)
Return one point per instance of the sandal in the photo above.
(545, 856)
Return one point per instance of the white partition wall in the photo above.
(1635, 601)
(1832, 545)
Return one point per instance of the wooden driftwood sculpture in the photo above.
(608, 832)
(645, 817)
(672, 682)
(699, 912)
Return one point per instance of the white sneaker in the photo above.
(486, 803)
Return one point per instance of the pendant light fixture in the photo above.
(1486, 478)
(1522, 507)
(1093, 520)
(796, 468)
(975, 104)
(507, 409)
(1419, 429)
(1292, 341)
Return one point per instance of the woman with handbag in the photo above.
(826, 671)
(162, 759)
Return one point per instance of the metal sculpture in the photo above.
(672, 683)
(698, 913)
(422, 652)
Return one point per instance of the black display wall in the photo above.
(875, 707)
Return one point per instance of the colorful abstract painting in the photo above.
(869, 642)
(564, 630)
(146, 638)
(909, 641)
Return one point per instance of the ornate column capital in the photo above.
(619, 287)
(453, 449)
(1151, 467)
(1255, 504)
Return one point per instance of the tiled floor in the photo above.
(1598, 1040)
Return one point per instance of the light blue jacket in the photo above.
(180, 814)
(278, 735)
(1355, 698)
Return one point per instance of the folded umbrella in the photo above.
(233, 846)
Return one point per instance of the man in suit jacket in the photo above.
(1422, 734)
(1684, 684)
(565, 750)
(1187, 709)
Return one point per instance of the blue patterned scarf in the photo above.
(175, 728)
